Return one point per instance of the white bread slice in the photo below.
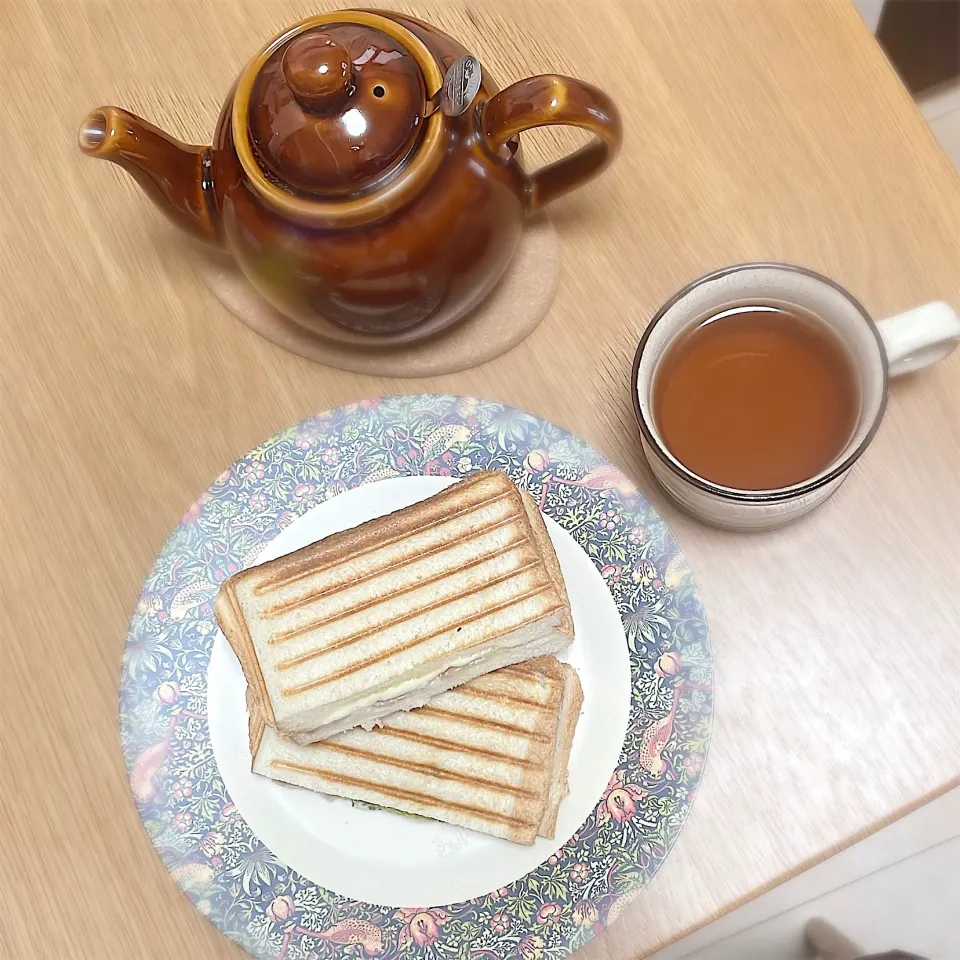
(383, 617)
(490, 755)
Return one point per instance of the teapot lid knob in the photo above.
(318, 72)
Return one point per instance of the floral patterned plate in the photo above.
(187, 776)
(420, 861)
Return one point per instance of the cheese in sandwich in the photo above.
(385, 616)
(490, 755)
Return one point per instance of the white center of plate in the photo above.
(386, 858)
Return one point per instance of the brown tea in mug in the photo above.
(756, 398)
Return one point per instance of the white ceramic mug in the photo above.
(878, 351)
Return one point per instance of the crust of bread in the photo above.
(255, 724)
(569, 715)
(234, 628)
(538, 528)
(372, 534)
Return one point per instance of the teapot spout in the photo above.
(176, 176)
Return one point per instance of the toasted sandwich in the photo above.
(385, 616)
(490, 755)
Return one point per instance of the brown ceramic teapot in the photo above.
(360, 194)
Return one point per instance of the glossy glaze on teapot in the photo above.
(336, 109)
(350, 202)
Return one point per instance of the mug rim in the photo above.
(735, 494)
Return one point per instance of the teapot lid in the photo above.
(333, 121)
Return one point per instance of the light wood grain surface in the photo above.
(754, 129)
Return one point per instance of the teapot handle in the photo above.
(551, 100)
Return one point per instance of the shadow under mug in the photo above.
(890, 347)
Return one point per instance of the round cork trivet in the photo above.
(512, 312)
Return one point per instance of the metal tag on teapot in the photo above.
(460, 86)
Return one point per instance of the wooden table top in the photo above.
(754, 130)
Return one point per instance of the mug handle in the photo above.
(919, 337)
(552, 100)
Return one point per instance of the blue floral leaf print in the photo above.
(146, 654)
(255, 867)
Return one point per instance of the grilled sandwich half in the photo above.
(385, 616)
(490, 755)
